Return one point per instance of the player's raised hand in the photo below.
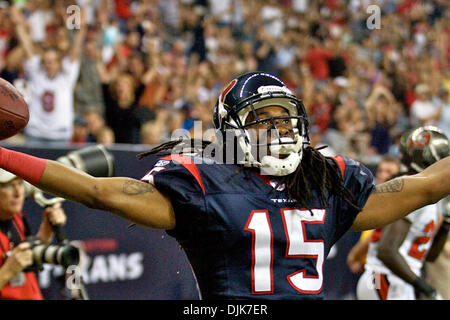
(15, 14)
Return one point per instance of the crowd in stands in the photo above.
(147, 68)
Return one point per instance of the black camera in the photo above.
(95, 160)
(58, 254)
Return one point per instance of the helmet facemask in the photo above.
(283, 154)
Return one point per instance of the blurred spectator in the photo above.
(423, 111)
(198, 46)
(136, 68)
(317, 141)
(151, 87)
(442, 101)
(151, 132)
(52, 81)
(94, 123)
(221, 11)
(317, 57)
(105, 136)
(170, 13)
(88, 92)
(39, 18)
(247, 60)
(121, 109)
(321, 111)
(351, 125)
(382, 112)
(80, 131)
(388, 168)
(178, 54)
(265, 50)
(272, 18)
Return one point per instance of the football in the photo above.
(14, 113)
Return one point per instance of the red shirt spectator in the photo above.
(405, 7)
(321, 113)
(28, 289)
(317, 60)
(123, 8)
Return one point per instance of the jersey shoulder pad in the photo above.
(175, 170)
(357, 178)
(359, 181)
(352, 169)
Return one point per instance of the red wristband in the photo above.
(23, 165)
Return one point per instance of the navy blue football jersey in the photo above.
(242, 234)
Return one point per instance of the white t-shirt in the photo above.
(221, 9)
(51, 102)
(273, 14)
(421, 110)
(444, 121)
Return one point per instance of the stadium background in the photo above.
(362, 84)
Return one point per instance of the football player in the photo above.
(388, 168)
(261, 226)
(397, 252)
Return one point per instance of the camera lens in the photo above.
(53, 254)
(94, 160)
(68, 255)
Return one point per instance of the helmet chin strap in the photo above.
(274, 166)
(280, 167)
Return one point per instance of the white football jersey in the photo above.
(51, 102)
(424, 225)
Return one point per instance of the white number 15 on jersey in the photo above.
(298, 246)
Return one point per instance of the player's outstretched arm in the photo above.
(134, 200)
(396, 198)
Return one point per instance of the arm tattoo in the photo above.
(134, 188)
(392, 186)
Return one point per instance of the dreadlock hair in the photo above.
(315, 173)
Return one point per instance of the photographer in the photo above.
(15, 254)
